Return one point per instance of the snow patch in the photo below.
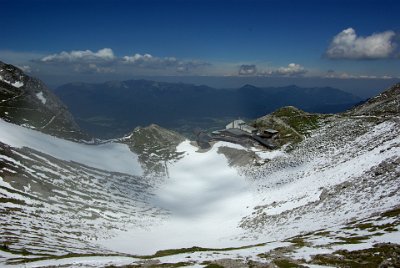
(268, 155)
(93, 261)
(17, 84)
(206, 199)
(41, 97)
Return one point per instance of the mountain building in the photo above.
(240, 124)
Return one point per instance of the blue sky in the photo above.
(89, 40)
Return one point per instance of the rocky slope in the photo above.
(385, 104)
(51, 190)
(26, 101)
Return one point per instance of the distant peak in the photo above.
(288, 110)
(116, 84)
(393, 90)
(248, 86)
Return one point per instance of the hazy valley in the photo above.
(110, 109)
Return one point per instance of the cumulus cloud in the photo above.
(246, 69)
(347, 45)
(105, 54)
(292, 69)
(104, 61)
(81, 61)
(150, 62)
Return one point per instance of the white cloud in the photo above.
(347, 45)
(247, 69)
(104, 61)
(149, 61)
(292, 69)
(138, 58)
(105, 54)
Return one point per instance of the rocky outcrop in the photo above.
(385, 104)
(155, 146)
(292, 123)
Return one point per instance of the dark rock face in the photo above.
(27, 101)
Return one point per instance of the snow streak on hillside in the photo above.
(113, 157)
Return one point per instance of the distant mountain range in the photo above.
(114, 108)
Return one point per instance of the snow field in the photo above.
(113, 157)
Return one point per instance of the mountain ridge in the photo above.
(131, 103)
(387, 102)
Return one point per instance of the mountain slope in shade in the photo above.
(114, 108)
(26, 101)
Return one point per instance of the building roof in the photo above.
(235, 123)
(266, 143)
(239, 122)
